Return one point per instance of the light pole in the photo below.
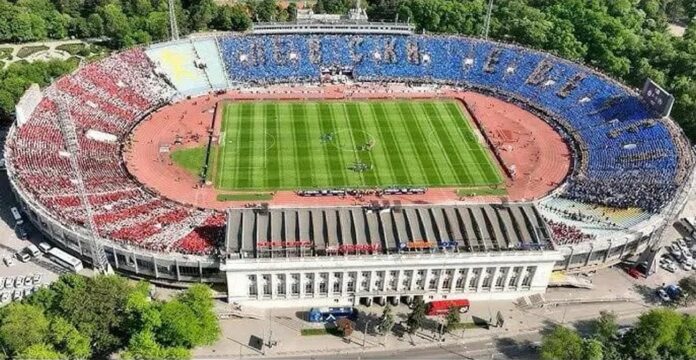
(367, 324)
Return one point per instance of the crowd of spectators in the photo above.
(627, 157)
(107, 97)
(565, 234)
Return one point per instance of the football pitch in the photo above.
(292, 145)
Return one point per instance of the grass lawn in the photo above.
(192, 159)
(288, 145)
(320, 331)
(5, 53)
(28, 50)
(245, 197)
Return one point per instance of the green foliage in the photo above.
(658, 334)
(143, 346)
(79, 318)
(17, 77)
(39, 352)
(386, 322)
(245, 197)
(189, 320)
(416, 317)
(688, 286)
(562, 344)
(30, 50)
(22, 326)
(661, 332)
(453, 319)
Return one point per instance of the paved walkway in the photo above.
(614, 291)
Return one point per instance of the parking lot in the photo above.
(38, 269)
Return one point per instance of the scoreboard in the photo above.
(659, 100)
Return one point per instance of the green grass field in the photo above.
(321, 144)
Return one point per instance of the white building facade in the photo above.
(350, 280)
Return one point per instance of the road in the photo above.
(516, 347)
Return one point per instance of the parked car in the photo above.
(5, 296)
(687, 264)
(662, 294)
(27, 280)
(634, 273)
(32, 250)
(17, 294)
(8, 261)
(675, 251)
(19, 281)
(9, 282)
(22, 256)
(44, 247)
(669, 267)
(37, 278)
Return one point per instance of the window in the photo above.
(323, 283)
(447, 282)
(365, 281)
(350, 285)
(488, 278)
(500, 280)
(252, 286)
(379, 281)
(529, 274)
(337, 283)
(393, 280)
(461, 278)
(266, 285)
(515, 276)
(406, 281)
(295, 285)
(309, 284)
(475, 275)
(280, 284)
(434, 278)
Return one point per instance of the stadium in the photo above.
(337, 163)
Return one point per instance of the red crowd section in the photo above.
(532, 155)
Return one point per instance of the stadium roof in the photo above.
(278, 232)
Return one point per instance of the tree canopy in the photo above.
(658, 334)
(79, 318)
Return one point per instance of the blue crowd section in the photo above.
(631, 158)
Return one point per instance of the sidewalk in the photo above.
(284, 325)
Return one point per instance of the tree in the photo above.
(654, 335)
(23, 326)
(201, 14)
(95, 306)
(234, 18)
(68, 340)
(199, 299)
(386, 321)
(417, 316)
(292, 11)
(266, 10)
(180, 326)
(453, 319)
(562, 344)
(39, 352)
(143, 346)
(688, 286)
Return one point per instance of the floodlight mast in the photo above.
(173, 27)
(487, 23)
(67, 128)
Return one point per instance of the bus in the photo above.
(64, 259)
(442, 307)
(331, 314)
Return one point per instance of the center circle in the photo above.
(352, 140)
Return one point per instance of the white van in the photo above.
(17, 216)
(32, 250)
